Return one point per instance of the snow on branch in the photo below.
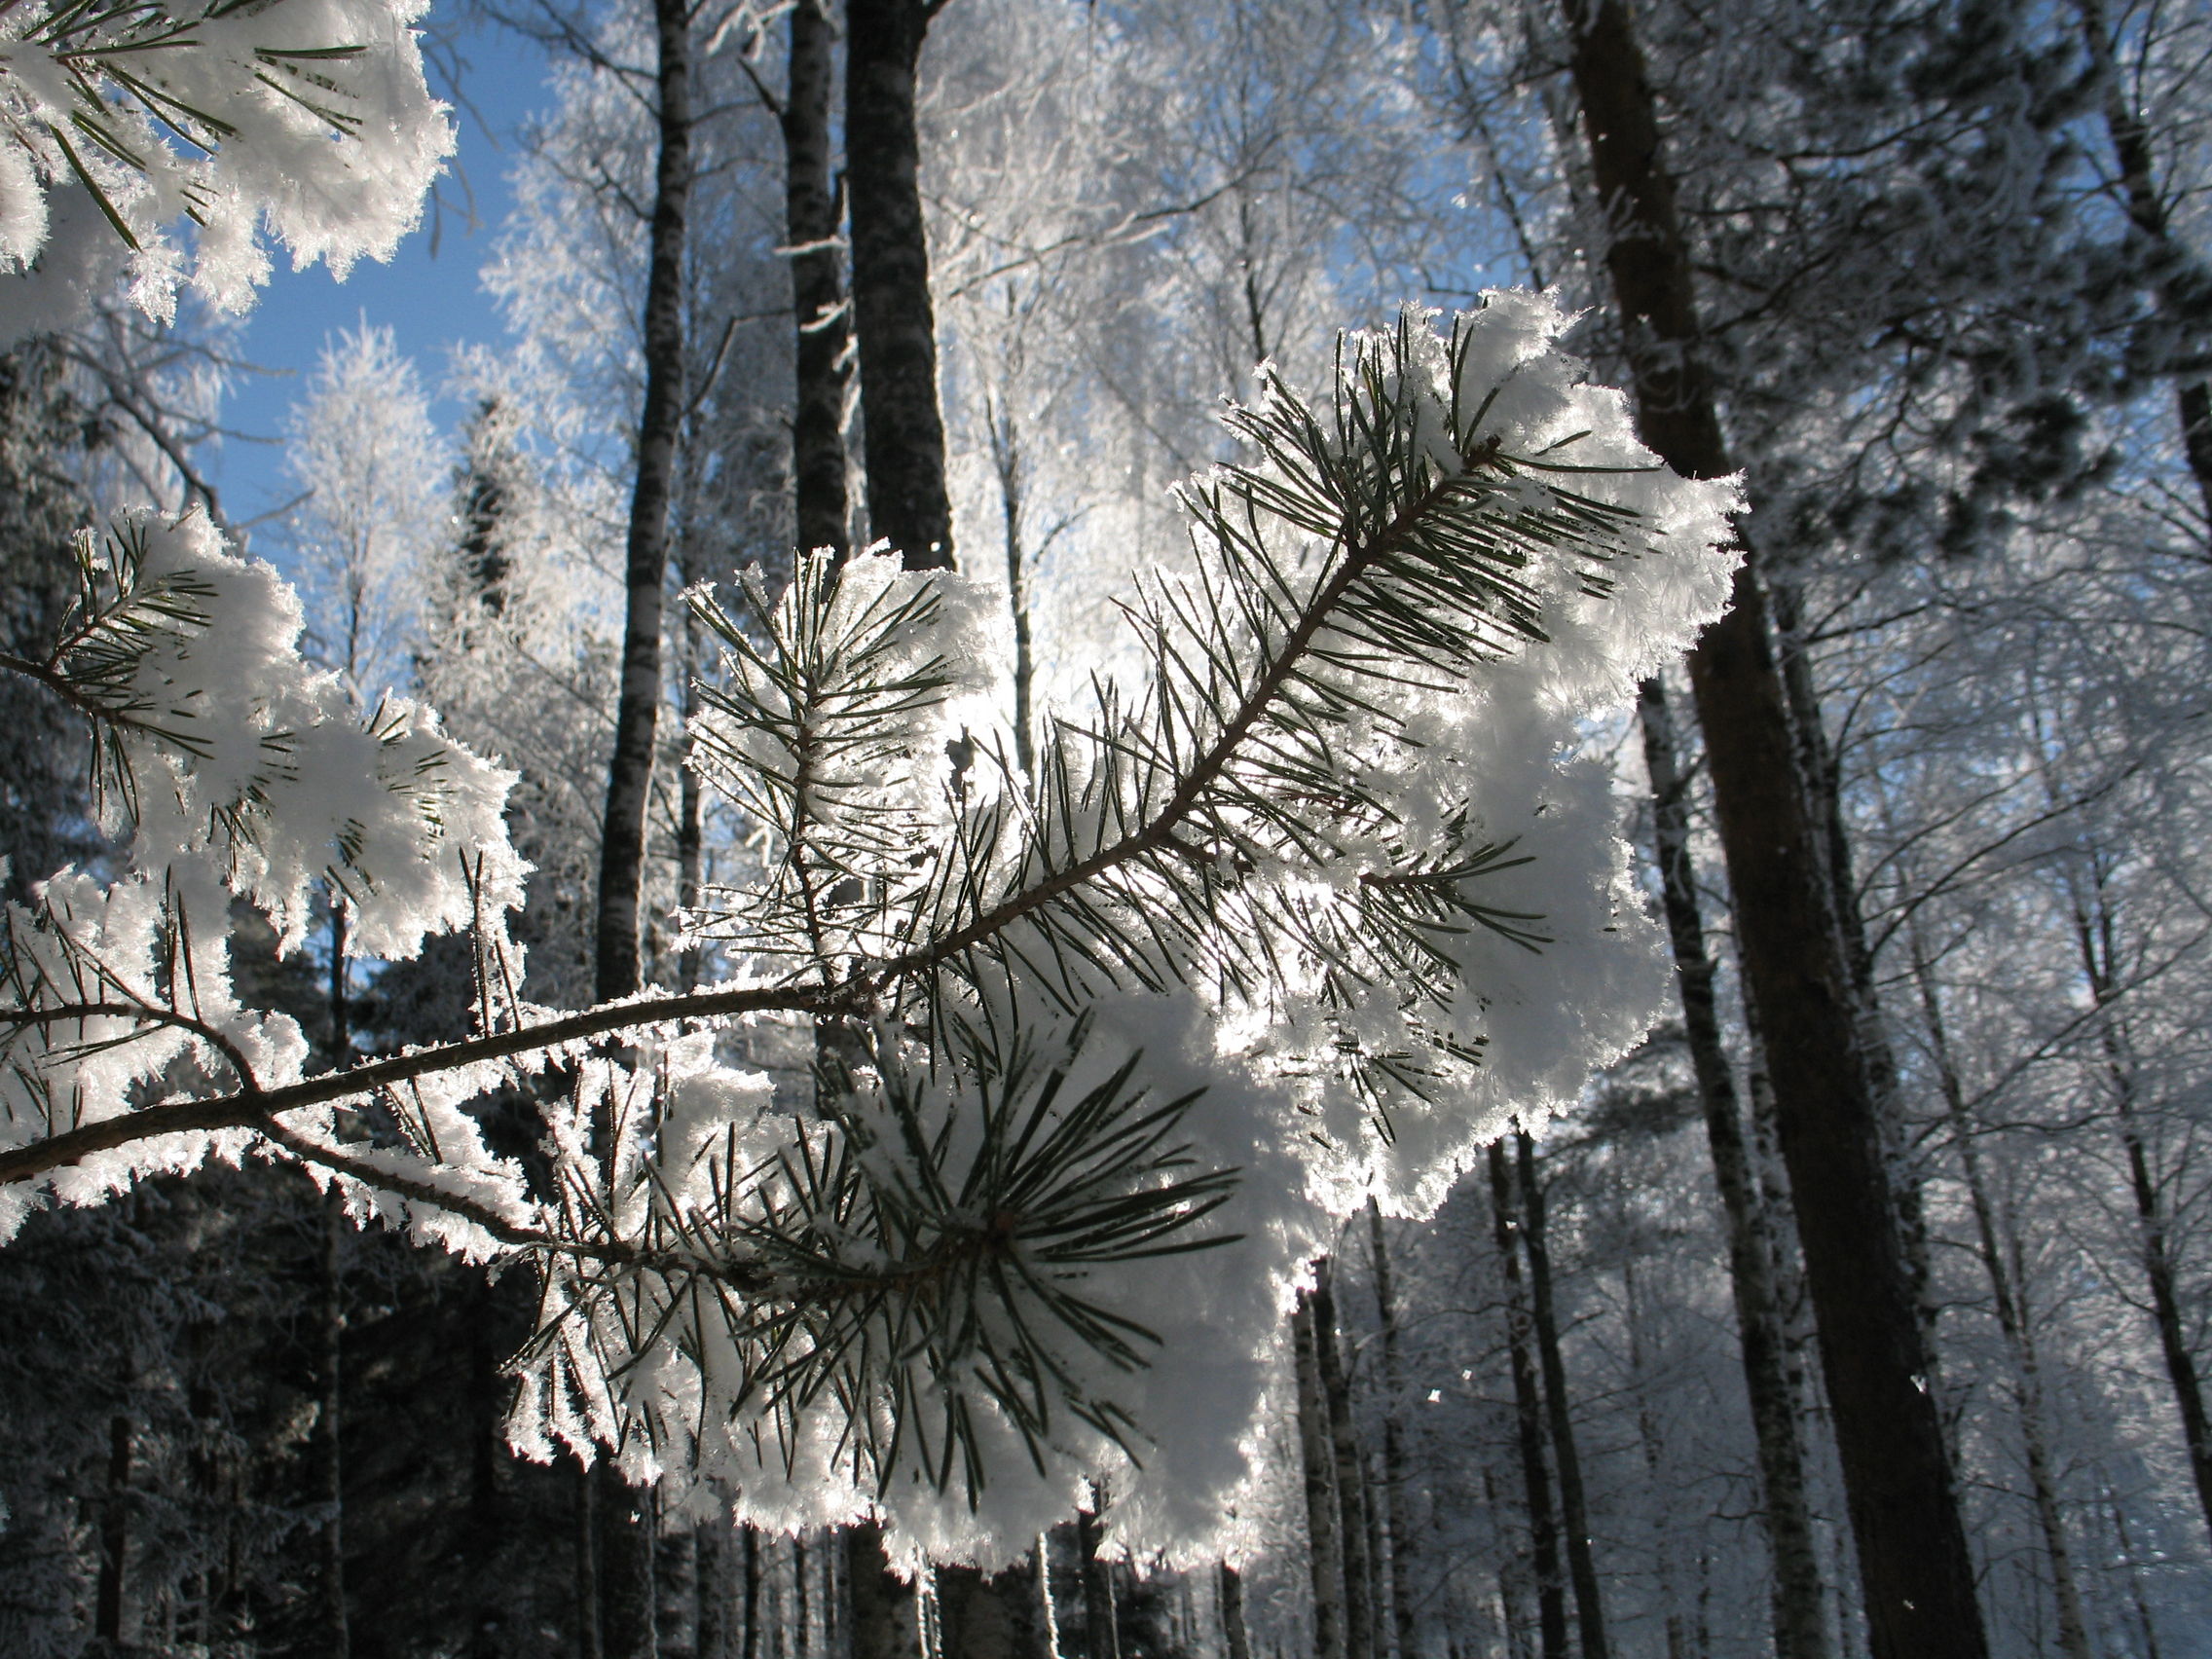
(307, 117)
(1301, 917)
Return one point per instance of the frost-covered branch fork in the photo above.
(251, 1106)
(1236, 949)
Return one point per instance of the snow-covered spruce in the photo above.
(1303, 916)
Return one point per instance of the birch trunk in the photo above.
(1527, 1411)
(1397, 1531)
(1345, 1464)
(1801, 1630)
(903, 437)
(1567, 1460)
(2012, 1319)
(637, 715)
(1324, 1551)
(1917, 1574)
(824, 315)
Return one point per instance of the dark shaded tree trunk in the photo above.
(1324, 1549)
(1914, 1565)
(1346, 1464)
(1567, 1460)
(115, 1533)
(1527, 1411)
(617, 970)
(881, 1602)
(1396, 1488)
(811, 213)
(1234, 1633)
(1101, 1617)
(992, 1617)
(334, 1628)
(1801, 1630)
(625, 1603)
(902, 438)
(2005, 1291)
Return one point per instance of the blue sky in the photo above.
(429, 295)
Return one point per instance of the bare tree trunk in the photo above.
(637, 715)
(881, 1602)
(1574, 1512)
(902, 441)
(1349, 1475)
(1324, 1549)
(2007, 1296)
(2095, 939)
(1397, 1528)
(1101, 1619)
(1650, 1441)
(1527, 1411)
(1006, 462)
(115, 1533)
(336, 1639)
(1914, 1564)
(1800, 1632)
(824, 318)
(589, 1644)
(1235, 1636)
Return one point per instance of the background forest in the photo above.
(1934, 276)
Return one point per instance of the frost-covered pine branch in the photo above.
(308, 117)
(1300, 917)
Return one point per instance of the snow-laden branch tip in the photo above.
(1301, 916)
(307, 119)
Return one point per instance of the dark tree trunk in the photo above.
(1567, 1460)
(1527, 1411)
(882, 1604)
(1350, 1482)
(823, 516)
(1915, 1567)
(1234, 1633)
(637, 715)
(335, 1640)
(1324, 1550)
(1101, 1617)
(1801, 1630)
(902, 440)
(981, 1617)
(1396, 1485)
(115, 1533)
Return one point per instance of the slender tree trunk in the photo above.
(2144, 1624)
(1652, 1444)
(1324, 1550)
(1101, 1619)
(626, 1597)
(485, 1406)
(1396, 1484)
(2095, 939)
(2146, 211)
(1801, 1630)
(1345, 1463)
(115, 1533)
(902, 441)
(1234, 1635)
(1006, 462)
(2012, 1319)
(881, 1602)
(1917, 1572)
(637, 715)
(1574, 1512)
(589, 1642)
(825, 319)
(1527, 1411)
(335, 1640)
